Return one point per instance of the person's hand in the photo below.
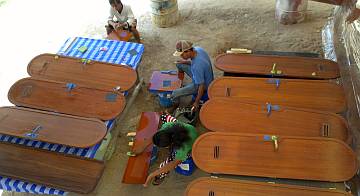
(134, 23)
(148, 180)
(195, 107)
(354, 14)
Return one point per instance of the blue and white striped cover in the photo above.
(118, 52)
(9, 184)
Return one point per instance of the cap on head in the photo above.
(182, 46)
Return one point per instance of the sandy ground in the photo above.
(31, 27)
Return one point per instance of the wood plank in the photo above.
(54, 128)
(289, 66)
(324, 95)
(72, 70)
(56, 170)
(232, 187)
(54, 96)
(120, 35)
(305, 158)
(137, 167)
(226, 115)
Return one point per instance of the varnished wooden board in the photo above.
(93, 74)
(232, 187)
(161, 82)
(290, 66)
(52, 169)
(305, 158)
(54, 96)
(54, 128)
(227, 115)
(120, 35)
(137, 167)
(322, 95)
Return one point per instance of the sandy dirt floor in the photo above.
(32, 27)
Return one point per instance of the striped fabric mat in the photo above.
(9, 184)
(110, 51)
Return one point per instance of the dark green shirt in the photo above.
(182, 152)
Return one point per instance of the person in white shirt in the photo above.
(354, 14)
(121, 16)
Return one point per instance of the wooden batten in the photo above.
(91, 74)
(324, 95)
(233, 187)
(284, 66)
(304, 158)
(227, 115)
(137, 167)
(68, 173)
(51, 127)
(56, 97)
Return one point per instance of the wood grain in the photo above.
(53, 96)
(51, 169)
(55, 128)
(120, 35)
(227, 115)
(93, 74)
(290, 66)
(322, 159)
(137, 167)
(321, 95)
(232, 187)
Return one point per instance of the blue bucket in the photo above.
(165, 100)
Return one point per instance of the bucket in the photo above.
(164, 13)
(290, 11)
(164, 99)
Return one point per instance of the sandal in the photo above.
(157, 181)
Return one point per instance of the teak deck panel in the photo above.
(226, 115)
(232, 187)
(48, 168)
(304, 158)
(71, 70)
(53, 96)
(55, 128)
(322, 95)
(290, 66)
(137, 167)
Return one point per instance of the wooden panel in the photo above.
(289, 66)
(305, 158)
(120, 35)
(54, 128)
(334, 2)
(54, 96)
(137, 167)
(226, 115)
(322, 95)
(164, 82)
(71, 70)
(48, 168)
(232, 187)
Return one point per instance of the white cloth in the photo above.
(126, 15)
(357, 4)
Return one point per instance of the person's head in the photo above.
(184, 49)
(116, 4)
(173, 136)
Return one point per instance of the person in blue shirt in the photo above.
(196, 64)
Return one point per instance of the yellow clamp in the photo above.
(274, 138)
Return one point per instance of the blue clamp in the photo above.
(70, 86)
(275, 81)
(270, 108)
(170, 72)
(34, 132)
